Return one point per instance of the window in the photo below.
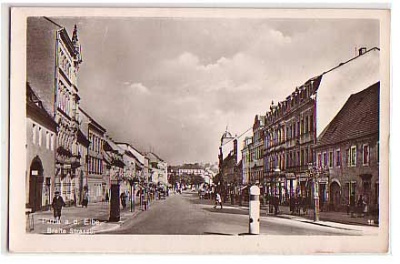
(298, 159)
(319, 161)
(47, 140)
(353, 156)
(40, 136)
(306, 157)
(338, 158)
(365, 154)
(293, 131)
(89, 164)
(33, 133)
(330, 159)
(311, 123)
(298, 128)
(325, 159)
(306, 123)
(91, 141)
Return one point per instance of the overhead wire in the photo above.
(236, 137)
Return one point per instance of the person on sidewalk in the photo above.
(276, 205)
(107, 197)
(85, 200)
(218, 200)
(123, 200)
(58, 203)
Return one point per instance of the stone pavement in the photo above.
(78, 220)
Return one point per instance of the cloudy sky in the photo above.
(175, 84)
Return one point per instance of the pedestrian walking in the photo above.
(85, 200)
(107, 197)
(58, 203)
(276, 205)
(218, 200)
(123, 201)
(127, 197)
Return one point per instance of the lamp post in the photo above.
(314, 177)
(276, 200)
(132, 182)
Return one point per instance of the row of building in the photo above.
(67, 149)
(329, 127)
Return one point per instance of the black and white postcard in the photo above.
(190, 130)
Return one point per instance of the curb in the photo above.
(308, 221)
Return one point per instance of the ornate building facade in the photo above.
(53, 60)
(289, 139)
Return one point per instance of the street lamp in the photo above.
(276, 200)
(314, 176)
(132, 182)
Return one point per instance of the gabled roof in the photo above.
(153, 157)
(358, 117)
(93, 122)
(34, 107)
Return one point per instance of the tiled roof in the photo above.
(358, 117)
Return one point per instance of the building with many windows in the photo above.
(289, 139)
(293, 125)
(96, 181)
(246, 159)
(348, 151)
(256, 149)
(53, 60)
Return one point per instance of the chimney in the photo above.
(361, 51)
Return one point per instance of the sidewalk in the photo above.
(337, 217)
(78, 220)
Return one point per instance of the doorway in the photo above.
(35, 184)
(334, 196)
